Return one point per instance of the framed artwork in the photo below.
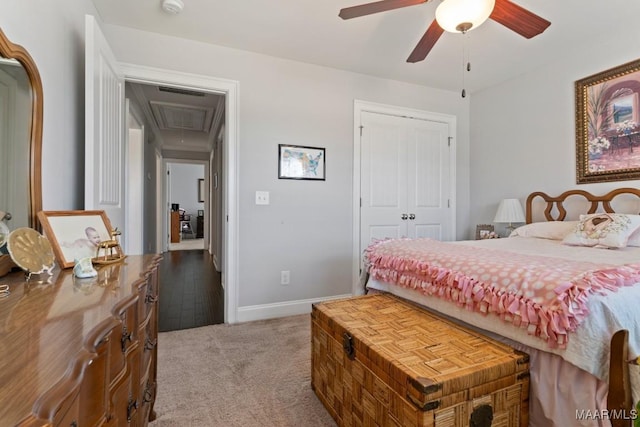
(75, 234)
(200, 212)
(201, 190)
(300, 162)
(484, 231)
(607, 130)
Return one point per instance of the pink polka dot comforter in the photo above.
(544, 295)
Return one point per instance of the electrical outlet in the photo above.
(285, 277)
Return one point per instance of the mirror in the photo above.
(20, 135)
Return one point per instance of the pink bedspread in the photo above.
(544, 295)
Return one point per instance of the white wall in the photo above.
(150, 212)
(53, 34)
(523, 131)
(307, 227)
(183, 184)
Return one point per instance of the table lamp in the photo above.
(509, 211)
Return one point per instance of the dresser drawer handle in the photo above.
(74, 423)
(148, 396)
(133, 404)
(150, 299)
(149, 344)
(126, 336)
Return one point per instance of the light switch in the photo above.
(262, 197)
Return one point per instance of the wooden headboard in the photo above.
(596, 203)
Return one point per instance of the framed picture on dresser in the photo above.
(75, 234)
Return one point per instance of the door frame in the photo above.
(360, 107)
(230, 88)
(166, 162)
(134, 209)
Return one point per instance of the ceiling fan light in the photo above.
(458, 16)
(172, 7)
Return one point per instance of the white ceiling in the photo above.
(311, 31)
(181, 120)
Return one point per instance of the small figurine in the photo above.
(83, 268)
(109, 251)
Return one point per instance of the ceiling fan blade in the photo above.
(379, 6)
(518, 19)
(426, 43)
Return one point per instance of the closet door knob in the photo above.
(412, 216)
(404, 217)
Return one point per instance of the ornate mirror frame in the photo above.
(10, 50)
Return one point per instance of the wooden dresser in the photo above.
(80, 352)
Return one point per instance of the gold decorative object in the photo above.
(31, 251)
(109, 251)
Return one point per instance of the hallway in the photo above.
(190, 291)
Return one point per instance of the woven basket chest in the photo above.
(378, 360)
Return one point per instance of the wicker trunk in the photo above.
(378, 360)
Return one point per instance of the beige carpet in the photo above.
(249, 374)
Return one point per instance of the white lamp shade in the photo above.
(509, 210)
(450, 14)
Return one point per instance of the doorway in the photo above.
(229, 179)
(189, 206)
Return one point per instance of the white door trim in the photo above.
(364, 106)
(207, 196)
(148, 75)
(161, 241)
(134, 155)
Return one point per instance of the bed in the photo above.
(547, 290)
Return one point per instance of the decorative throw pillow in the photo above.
(634, 239)
(603, 230)
(555, 230)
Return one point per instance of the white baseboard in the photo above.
(280, 309)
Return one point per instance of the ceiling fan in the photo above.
(458, 16)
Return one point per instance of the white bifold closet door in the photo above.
(405, 179)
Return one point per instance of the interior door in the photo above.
(104, 128)
(429, 180)
(405, 178)
(383, 190)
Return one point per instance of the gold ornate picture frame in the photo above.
(608, 125)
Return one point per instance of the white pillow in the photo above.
(603, 230)
(555, 230)
(634, 239)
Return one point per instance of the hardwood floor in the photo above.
(190, 291)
